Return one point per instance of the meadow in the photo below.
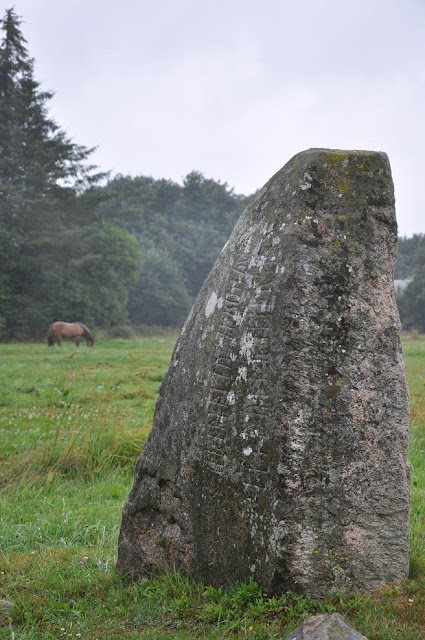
(72, 423)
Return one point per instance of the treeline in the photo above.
(131, 250)
(136, 249)
(180, 231)
(411, 266)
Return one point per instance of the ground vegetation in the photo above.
(72, 424)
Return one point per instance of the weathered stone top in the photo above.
(329, 181)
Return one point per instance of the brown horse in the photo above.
(76, 330)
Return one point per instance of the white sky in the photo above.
(234, 88)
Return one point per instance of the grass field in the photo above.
(72, 423)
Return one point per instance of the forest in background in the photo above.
(78, 245)
(180, 230)
(73, 247)
(411, 265)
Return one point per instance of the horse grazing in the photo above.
(76, 330)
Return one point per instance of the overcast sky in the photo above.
(234, 88)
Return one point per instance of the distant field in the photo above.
(72, 423)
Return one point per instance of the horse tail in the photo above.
(86, 333)
(50, 336)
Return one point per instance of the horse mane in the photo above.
(50, 336)
(86, 332)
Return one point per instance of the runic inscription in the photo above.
(239, 355)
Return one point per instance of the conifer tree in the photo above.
(40, 167)
(45, 200)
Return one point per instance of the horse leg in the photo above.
(78, 340)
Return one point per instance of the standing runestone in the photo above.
(278, 448)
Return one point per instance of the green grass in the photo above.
(72, 423)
